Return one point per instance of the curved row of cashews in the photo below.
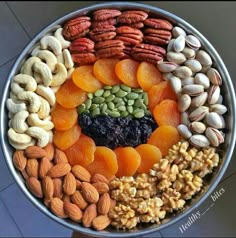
(33, 91)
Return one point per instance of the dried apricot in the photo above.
(64, 139)
(167, 113)
(148, 75)
(84, 78)
(81, 152)
(104, 70)
(150, 155)
(63, 118)
(128, 161)
(159, 92)
(164, 137)
(104, 163)
(69, 95)
(126, 70)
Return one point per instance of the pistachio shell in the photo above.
(203, 57)
(214, 120)
(193, 89)
(199, 100)
(175, 83)
(184, 131)
(199, 113)
(214, 136)
(218, 108)
(202, 79)
(193, 64)
(199, 141)
(213, 94)
(197, 127)
(166, 67)
(170, 45)
(167, 76)
(176, 57)
(185, 118)
(187, 81)
(184, 102)
(183, 72)
(179, 43)
(177, 31)
(193, 42)
(214, 76)
(189, 53)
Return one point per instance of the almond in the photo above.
(89, 192)
(78, 199)
(89, 214)
(19, 160)
(59, 170)
(57, 184)
(101, 187)
(48, 187)
(60, 157)
(99, 178)
(72, 211)
(101, 222)
(32, 167)
(49, 148)
(24, 174)
(78, 184)
(34, 186)
(113, 203)
(81, 173)
(69, 184)
(104, 204)
(35, 152)
(44, 166)
(66, 198)
(46, 202)
(57, 207)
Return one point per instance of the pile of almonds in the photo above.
(113, 33)
(69, 192)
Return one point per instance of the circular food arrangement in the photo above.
(117, 118)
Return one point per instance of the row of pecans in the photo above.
(113, 33)
(68, 191)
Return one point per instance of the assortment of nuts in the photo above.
(70, 191)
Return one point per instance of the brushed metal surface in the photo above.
(229, 100)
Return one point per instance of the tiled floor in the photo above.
(19, 22)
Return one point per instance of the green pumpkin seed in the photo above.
(95, 112)
(117, 100)
(125, 88)
(121, 108)
(124, 114)
(148, 113)
(98, 100)
(110, 98)
(115, 89)
(93, 106)
(88, 103)
(90, 95)
(111, 105)
(145, 98)
(137, 90)
(104, 108)
(132, 95)
(81, 108)
(130, 109)
(99, 92)
(121, 93)
(130, 102)
(107, 87)
(113, 113)
(106, 93)
(120, 104)
(139, 114)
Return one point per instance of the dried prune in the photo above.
(115, 132)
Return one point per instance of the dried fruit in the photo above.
(89, 192)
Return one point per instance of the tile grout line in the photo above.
(3, 64)
(11, 214)
(18, 19)
(7, 187)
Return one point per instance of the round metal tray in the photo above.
(211, 182)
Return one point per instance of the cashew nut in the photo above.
(44, 71)
(40, 134)
(64, 43)
(18, 121)
(21, 146)
(27, 67)
(9, 123)
(14, 97)
(44, 109)
(47, 93)
(32, 98)
(50, 134)
(48, 57)
(68, 59)
(27, 81)
(10, 115)
(60, 75)
(34, 120)
(15, 107)
(60, 58)
(18, 138)
(52, 43)
(16, 88)
(69, 73)
(36, 49)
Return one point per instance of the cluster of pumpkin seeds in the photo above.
(116, 101)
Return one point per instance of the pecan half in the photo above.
(103, 33)
(129, 35)
(84, 58)
(104, 14)
(109, 48)
(81, 45)
(157, 36)
(132, 16)
(158, 23)
(76, 28)
(148, 52)
(137, 25)
(99, 24)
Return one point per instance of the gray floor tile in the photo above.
(31, 222)
(30, 12)
(5, 177)
(8, 227)
(218, 221)
(13, 37)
